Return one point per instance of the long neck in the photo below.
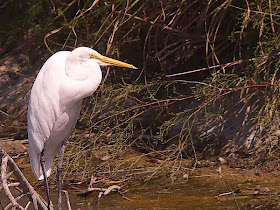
(81, 80)
(87, 72)
(77, 69)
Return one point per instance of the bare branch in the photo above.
(28, 190)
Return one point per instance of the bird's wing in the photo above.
(60, 133)
(43, 108)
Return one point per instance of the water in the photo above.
(197, 192)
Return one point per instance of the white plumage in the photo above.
(55, 102)
(56, 98)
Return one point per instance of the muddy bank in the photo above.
(212, 186)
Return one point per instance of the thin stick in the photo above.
(27, 205)
(67, 199)
(219, 65)
(112, 188)
(16, 199)
(223, 194)
(257, 12)
(237, 206)
(58, 175)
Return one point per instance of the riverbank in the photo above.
(207, 186)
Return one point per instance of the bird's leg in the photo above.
(58, 175)
(42, 160)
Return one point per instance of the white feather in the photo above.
(55, 102)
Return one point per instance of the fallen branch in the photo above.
(104, 191)
(27, 190)
(111, 188)
(107, 191)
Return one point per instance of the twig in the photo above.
(164, 27)
(103, 191)
(16, 199)
(106, 192)
(220, 65)
(62, 27)
(257, 12)
(27, 188)
(223, 194)
(4, 113)
(49, 34)
(111, 188)
(88, 9)
(220, 173)
(62, 13)
(67, 199)
(122, 194)
(15, 184)
(27, 205)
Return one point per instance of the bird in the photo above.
(55, 102)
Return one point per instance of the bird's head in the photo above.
(85, 54)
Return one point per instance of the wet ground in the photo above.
(199, 191)
(203, 188)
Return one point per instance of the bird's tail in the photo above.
(48, 173)
(36, 165)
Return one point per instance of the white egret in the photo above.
(63, 82)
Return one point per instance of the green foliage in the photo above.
(22, 17)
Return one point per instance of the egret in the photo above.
(65, 79)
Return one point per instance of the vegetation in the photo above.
(207, 84)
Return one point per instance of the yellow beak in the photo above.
(111, 62)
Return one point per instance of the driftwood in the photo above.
(9, 168)
(102, 191)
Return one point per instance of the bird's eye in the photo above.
(92, 55)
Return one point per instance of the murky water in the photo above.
(255, 190)
(198, 192)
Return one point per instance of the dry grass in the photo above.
(196, 60)
(207, 84)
